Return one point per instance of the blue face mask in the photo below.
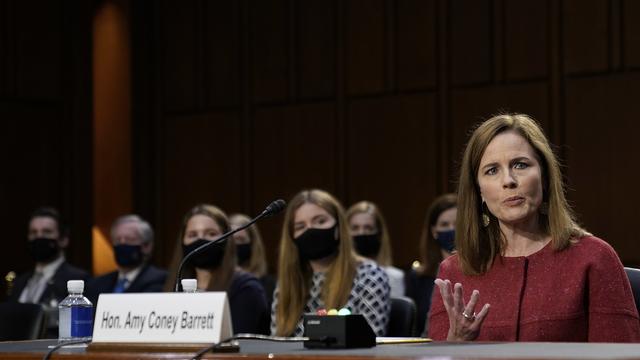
(446, 240)
(128, 255)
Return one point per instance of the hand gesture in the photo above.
(464, 323)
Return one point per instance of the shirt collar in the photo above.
(130, 275)
(50, 269)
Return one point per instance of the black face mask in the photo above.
(367, 245)
(315, 244)
(243, 252)
(446, 240)
(43, 249)
(128, 255)
(209, 258)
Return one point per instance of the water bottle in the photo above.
(189, 285)
(76, 314)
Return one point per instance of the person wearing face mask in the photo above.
(215, 268)
(250, 253)
(436, 243)
(46, 284)
(132, 240)
(371, 240)
(319, 269)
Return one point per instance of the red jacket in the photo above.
(578, 294)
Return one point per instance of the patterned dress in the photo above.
(370, 296)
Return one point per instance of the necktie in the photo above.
(121, 285)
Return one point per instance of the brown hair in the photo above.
(477, 246)
(258, 261)
(294, 276)
(384, 257)
(223, 274)
(430, 253)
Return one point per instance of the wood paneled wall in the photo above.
(247, 101)
(45, 108)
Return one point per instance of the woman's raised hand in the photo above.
(464, 323)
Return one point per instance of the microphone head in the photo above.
(275, 207)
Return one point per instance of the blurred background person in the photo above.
(371, 240)
(436, 243)
(250, 253)
(46, 284)
(540, 276)
(132, 240)
(318, 268)
(215, 268)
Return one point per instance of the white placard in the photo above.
(162, 318)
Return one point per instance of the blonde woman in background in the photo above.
(371, 240)
(250, 253)
(318, 268)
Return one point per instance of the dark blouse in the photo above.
(419, 288)
(248, 304)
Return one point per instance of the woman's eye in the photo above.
(520, 165)
(491, 171)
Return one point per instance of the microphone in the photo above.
(272, 209)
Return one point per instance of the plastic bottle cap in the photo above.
(75, 286)
(189, 285)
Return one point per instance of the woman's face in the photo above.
(311, 216)
(201, 227)
(362, 224)
(510, 180)
(446, 221)
(241, 237)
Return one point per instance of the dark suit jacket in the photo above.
(150, 279)
(57, 286)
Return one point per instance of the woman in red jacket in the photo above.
(540, 276)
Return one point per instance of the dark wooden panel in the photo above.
(316, 45)
(585, 34)
(471, 44)
(38, 44)
(179, 46)
(631, 31)
(202, 164)
(33, 144)
(222, 53)
(416, 64)
(601, 138)
(471, 106)
(526, 39)
(392, 147)
(269, 49)
(365, 32)
(293, 148)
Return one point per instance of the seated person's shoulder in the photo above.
(73, 273)
(156, 272)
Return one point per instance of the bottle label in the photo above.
(81, 321)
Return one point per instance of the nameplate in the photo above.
(162, 318)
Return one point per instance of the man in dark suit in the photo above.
(132, 240)
(46, 284)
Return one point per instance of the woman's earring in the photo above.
(486, 220)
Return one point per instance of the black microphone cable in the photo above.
(47, 356)
(245, 336)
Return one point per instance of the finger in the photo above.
(445, 292)
(471, 306)
(481, 315)
(458, 301)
